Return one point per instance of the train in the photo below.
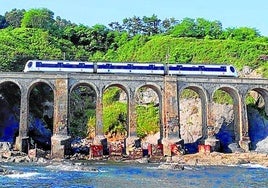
(131, 68)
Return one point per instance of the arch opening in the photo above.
(148, 105)
(224, 119)
(191, 118)
(115, 114)
(10, 97)
(256, 101)
(41, 116)
(82, 124)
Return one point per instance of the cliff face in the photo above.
(191, 127)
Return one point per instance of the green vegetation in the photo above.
(115, 112)
(37, 34)
(148, 120)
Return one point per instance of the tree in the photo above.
(168, 24)
(187, 28)
(115, 26)
(133, 25)
(38, 18)
(100, 39)
(59, 26)
(240, 34)
(3, 22)
(151, 25)
(205, 28)
(14, 17)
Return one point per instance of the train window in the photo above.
(81, 65)
(232, 69)
(202, 68)
(30, 64)
(38, 64)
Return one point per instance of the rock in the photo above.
(171, 166)
(4, 171)
(5, 146)
(235, 148)
(262, 146)
(242, 161)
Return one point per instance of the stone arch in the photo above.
(257, 125)
(35, 82)
(12, 81)
(39, 133)
(10, 105)
(264, 93)
(90, 84)
(237, 105)
(202, 93)
(157, 89)
(90, 95)
(115, 133)
(154, 87)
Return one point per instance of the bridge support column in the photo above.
(132, 138)
(244, 141)
(22, 139)
(209, 130)
(99, 139)
(60, 141)
(170, 115)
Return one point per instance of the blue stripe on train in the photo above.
(63, 65)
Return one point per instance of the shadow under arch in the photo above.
(230, 132)
(202, 93)
(257, 116)
(10, 102)
(41, 94)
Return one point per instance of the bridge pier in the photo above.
(245, 144)
(22, 143)
(60, 146)
(22, 140)
(130, 143)
(60, 141)
(170, 113)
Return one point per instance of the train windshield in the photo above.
(30, 64)
(232, 69)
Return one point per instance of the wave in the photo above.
(251, 165)
(23, 175)
(82, 168)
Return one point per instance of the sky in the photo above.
(231, 13)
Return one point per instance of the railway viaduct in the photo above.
(168, 89)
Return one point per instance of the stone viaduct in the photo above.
(168, 89)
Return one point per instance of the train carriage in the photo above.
(131, 68)
(58, 66)
(202, 70)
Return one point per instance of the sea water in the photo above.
(130, 175)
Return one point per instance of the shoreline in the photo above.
(197, 159)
